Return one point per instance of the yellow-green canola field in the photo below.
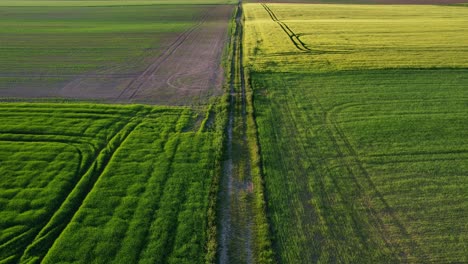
(362, 118)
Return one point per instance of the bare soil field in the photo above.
(183, 68)
(190, 69)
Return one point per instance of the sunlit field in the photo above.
(362, 119)
(84, 182)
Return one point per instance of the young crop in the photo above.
(84, 182)
(363, 137)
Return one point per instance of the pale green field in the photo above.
(358, 37)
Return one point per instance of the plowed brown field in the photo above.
(187, 71)
(182, 68)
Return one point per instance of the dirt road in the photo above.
(237, 206)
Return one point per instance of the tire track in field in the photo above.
(292, 36)
(51, 231)
(51, 138)
(321, 190)
(135, 85)
(151, 192)
(302, 192)
(414, 247)
(15, 242)
(349, 159)
(347, 165)
(81, 164)
(20, 241)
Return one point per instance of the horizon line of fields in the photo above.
(103, 3)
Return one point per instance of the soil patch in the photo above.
(182, 69)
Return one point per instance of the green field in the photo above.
(96, 183)
(340, 137)
(362, 128)
(349, 37)
(43, 47)
(84, 182)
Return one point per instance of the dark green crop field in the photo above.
(87, 183)
(366, 166)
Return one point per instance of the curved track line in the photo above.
(337, 135)
(67, 211)
(27, 237)
(292, 36)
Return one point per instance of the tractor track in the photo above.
(291, 34)
(59, 220)
(135, 85)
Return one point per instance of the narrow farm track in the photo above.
(237, 213)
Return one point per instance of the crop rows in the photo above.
(363, 155)
(104, 183)
(363, 172)
(56, 47)
(347, 37)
